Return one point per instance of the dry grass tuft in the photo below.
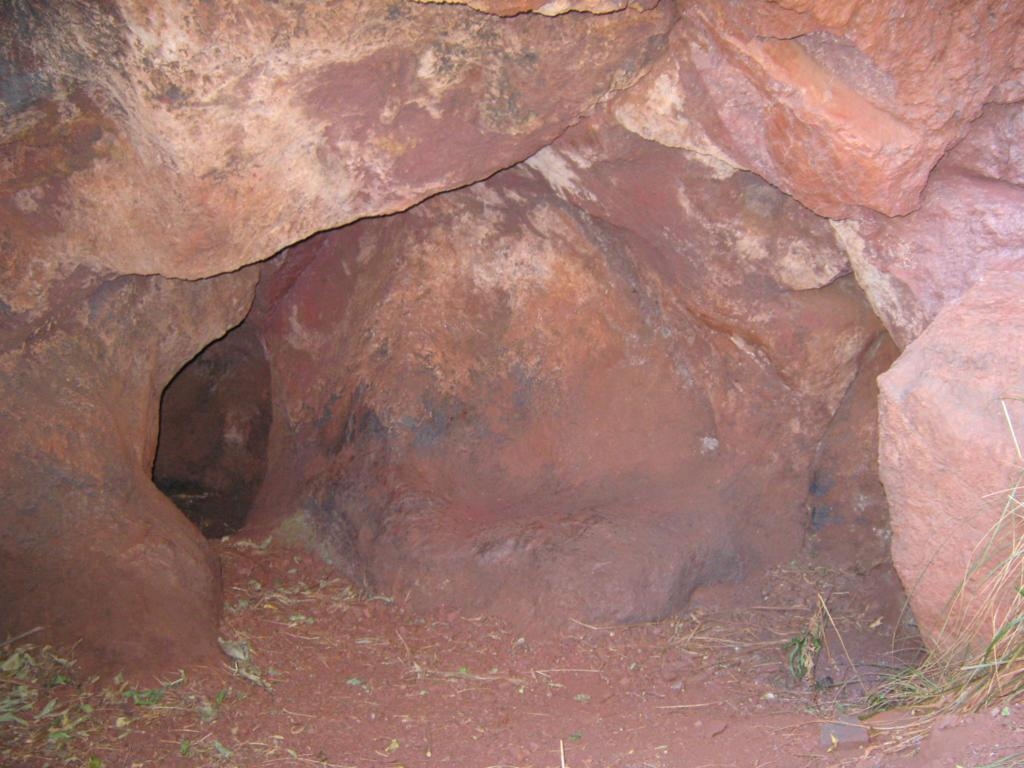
(960, 677)
(52, 715)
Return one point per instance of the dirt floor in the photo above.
(318, 673)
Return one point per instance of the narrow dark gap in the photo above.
(215, 419)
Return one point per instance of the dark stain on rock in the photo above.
(821, 484)
(821, 515)
(443, 413)
(361, 423)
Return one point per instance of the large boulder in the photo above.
(496, 401)
(949, 455)
(971, 219)
(187, 140)
(91, 551)
(841, 105)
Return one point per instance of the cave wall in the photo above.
(145, 142)
(844, 105)
(252, 127)
(90, 547)
(183, 141)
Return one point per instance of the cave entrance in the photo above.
(215, 419)
(487, 478)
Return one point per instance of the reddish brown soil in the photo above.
(336, 677)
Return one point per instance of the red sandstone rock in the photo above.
(947, 454)
(185, 141)
(944, 444)
(188, 140)
(91, 551)
(992, 148)
(488, 411)
(914, 266)
(971, 220)
(840, 105)
(748, 260)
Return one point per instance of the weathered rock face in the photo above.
(214, 426)
(948, 454)
(971, 219)
(187, 141)
(91, 550)
(748, 260)
(937, 279)
(491, 401)
(755, 264)
(830, 102)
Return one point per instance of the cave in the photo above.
(438, 428)
(211, 453)
(656, 358)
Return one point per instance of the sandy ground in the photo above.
(317, 672)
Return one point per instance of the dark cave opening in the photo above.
(215, 417)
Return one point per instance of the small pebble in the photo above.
(844, 731)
